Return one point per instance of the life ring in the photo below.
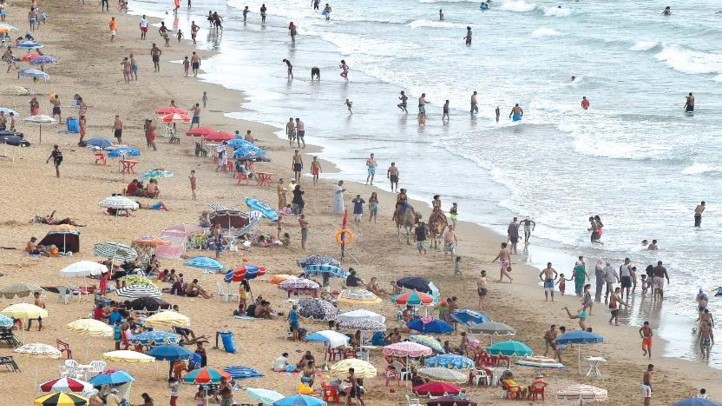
(344, 236)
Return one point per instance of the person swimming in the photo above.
(484, 6)
(516, 113)
(667, 11)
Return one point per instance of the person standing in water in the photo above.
(529, 226)
(474, 103)
(698, 214)
(327, 12)
(585, 103)
(403, 103)
(344, 69)
(445, 111)
(497, 112)
(516, 113)
(667, 11)
(441, 15)
(689, 104)
(263, 13)
(349, 104)
(422, 104)
(512, 233)
(467, 38)
(245, 14)
(292, 31)
(289, 68)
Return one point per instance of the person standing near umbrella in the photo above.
(304, 230)
(226, 392)
(41, 304)
(55, 101)
(149, 128)
(155, 53)
(356, 391)
(57, 157)
(196, 109)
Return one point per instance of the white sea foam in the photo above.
(519, 6)
(558, 12)
(700, 168)
(643, 45)
(690, 61)
(545, 32)
(434, 24)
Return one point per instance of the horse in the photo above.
(406, 218)
(437, 225)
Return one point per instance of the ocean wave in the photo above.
(449, 1)
(558, 12)
(644, 45)
(434, 24)
(540, 104)
(598, 147)
(519, 6)
(718, 78)
(545, 32)
(700, 168)
(690, 61)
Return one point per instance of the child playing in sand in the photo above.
(457, 267)
(204, 99)
(562, 282)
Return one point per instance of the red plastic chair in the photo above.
(64, 347)
(241, 177)
(350, 353)
(536, 391)
(101, 157)
(512, 392)
(330, 393)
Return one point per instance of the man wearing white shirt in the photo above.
(279, 364)
(143, 27)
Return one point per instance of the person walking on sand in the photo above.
(421, 232)
(579, 275)
(516, 113)
(358, 208)
(393, 175)
(646, 333)
(39, 302)
(186, 66)
(698, 214)
(504, 258)
(149, 128)
(457, 267)
(195, 63)
(373, 206)
(512, 232)
(338, 203)
(133, 67)
(104, 4)
(647, 385)
(290, 131)
(281, 192)
(118, 129)
(83, 126)
(57, 156)
(371, 165)
(143, 27)
(126, 70)
(481, 288)
(155, 54)
(300, 133)
(550, 342)
(404, 99)
(204, 99)
(113, 25)
(614, 302)
(194, 183)
(196, 118)
(599, 272)
(303, 223)
(297, 165)
(315, 169)
(550, 276)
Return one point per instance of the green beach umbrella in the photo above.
(510, 348)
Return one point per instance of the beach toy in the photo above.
(344, 236)
(263, 207)
(304, 389)
(227, 339)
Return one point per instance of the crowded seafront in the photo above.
(93, 70)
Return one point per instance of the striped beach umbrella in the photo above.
(156, 173)
(361, 314)
(539, 362)
(317, 309)
(123, 152)
(428, 341)
(115, 250)
(332, 271)
(90, 327)
(451, 361)
(317, 259)
(168, 318)
(61, 399)
(412, 298)
(170, 110)
(39, 350)
(299, 285)
(66, 384)
(155, 338)
(118, 203)
(442, 374)
(136, 291)
(205, 375)
(175, 117)
(357, 295)
(136, 280)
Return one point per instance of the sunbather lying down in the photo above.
(50, 219)
(155, 206)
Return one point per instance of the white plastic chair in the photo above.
(97, 367)
(404, 373)
(481, 375)
(65, 294)
(222, 293)
(412, 401)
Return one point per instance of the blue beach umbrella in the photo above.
(331, 270)
(155, 338)
(156, 174)
(510, 348)
(43, 60)
(169, 352)
(253, 271)
(318, 260)
(29, 45)
(300, 400)
(240, 372)
(432, 326)
(265, 396)
(580, 338)
(5, 321)
(33, 73)
(204, 263)
(101, 143)
(696, 402)
(124, 152)
(451, 361)
(111, 377)
(469, 317)
(242, 147)
(417, 283)
(263, 207)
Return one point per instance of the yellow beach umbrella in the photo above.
(91, 327)
(25, 311)
(61, 399)
(128, 356)
(168, 318)
(361, 296)
(362, 369)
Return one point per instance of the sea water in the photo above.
(634, 157)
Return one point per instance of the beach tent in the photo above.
(65, 240)
(177, 247)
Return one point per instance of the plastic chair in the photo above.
(65, 347)
(65, 294)
(222, 293)
(404, 373)
(241, 177)
(97, 367)
(536, 391)
(510, 392)
(101, 157)
(481, 375)
(330, 393)
(333, 353)
(349, 353)
(412, 401)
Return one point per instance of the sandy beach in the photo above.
(89, 65)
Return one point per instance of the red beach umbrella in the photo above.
(437, 389)
(178, 117)
(219, 136)
(200, 132)
(170, 110)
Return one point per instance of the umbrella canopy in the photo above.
(299, 285)
(332, 271)
(61, 399)
(170, 110)
(29, 45)
(332, 338)
(111, 377)
(136, 280)
(124, 152)
(442, 374)
(186, 228)
(317, 309)
(91, 327)
(493, 328)
(539, 362)
(29, 56)
(7, 111)
(246, 272)
(363, 325)
(300, 400)
(428, 341)
(430, 325)
(15, 91)
(265, 396)
(510, 348)
(582, 392)
(361, 314)
(156, 338)
(156, 173)
(357, 295)
(450, 401)
(169, 352)
(150, 241)
(277, 279)
(204, 263)
(579, 337)
(469, 317)
(149, 303)
(243, 147)
(128, 356)
(21, 289)
(43, 60)
(219, 136)
(10, 27)
(83, 268)
(450, 361)
(228, 219)
(66, 384)
(136, 291)
(119, 203)
(168, 318)
(437, 389)
(317, 259)
(25, 311)
(101, 143)
(412, 298)
(416, 283)
(175, 117)
(199, 131)
(696, 402)
(205, 375)
(115, 250)
(66, 238)
(33, 73)
(362, 369)
(5, 321)
(241, 372)
(407, 349)
(39, 350)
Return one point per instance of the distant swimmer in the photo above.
(689, 104)
(574, 78)
(349, 103)
(289, 69)
(474, 103)
(667, 11)
(441, 15)
(245, 14)
(698, 214)
(315, 72)
(403, 103)
(585, 103)
(467, 38)
(445, 111)
(516, 113)
(315, 4)
(498, 113)
(484, 6)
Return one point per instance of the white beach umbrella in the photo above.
(361, 314)
(83, 268)
(582, 392)
(40, 120)
(119, 203)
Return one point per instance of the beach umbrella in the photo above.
(7, 111)
(33, 73)
(186, 228)
(132, 357)
(412, 298)
(582, 392)
(442, 374)
(170, 110)
(166, 351)
(696, 402)
(119, 203)
(510, 348)
(101, 143)
(204, 263)
(417, 283)
(137, 280)
(450, 361)
(150, 241)
(114, 250)
(239, 142)
(61, 399)
(150, 304)
(358, 295)
(437, 389)
(228, 219)
(332, 338)
(450, 401)
(6, 321)
(300, 400)
(40, 119)
(362, 369)
(111, 377)
(39, 350)
(168, 318)
(9, 27)
(199, 131)
(407, 349)
(248, 272)
(29, 45)
(242, 147)
(219, 136)
(317, 259)
(469, 317)
(90, 327)
(317, 309)
(155, 338)
(430, 325)
(64, 236)
(332, 271)
(579, 337)
(277, 279)
(156, 173)
(21, 289)
(15, 91)
(299, 285)
(136, 291)
(363, 325)
(66, 384)
(361, 314)
(428, 341)
(29, 56)
(25, 311)
(539, 362)
(493, 328)
(43, 60)
(241, 372)
(123, 152)
(175, 117)
(205, 375)
(265, 396)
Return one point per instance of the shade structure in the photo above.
(363, 325)
(240, 142)
(170, 110)
(241, 372)
(265, 396)
(136, 280)
(317, 259)
(33, 73)
(90, 327)
(583, 393)
(99, 142)
(300, 400)
(175, 118)
(412, 298)
(124, 152)
(228, 219)
(539, 362)
(167, 352)
(199, 131)
(29, 45)
(359, 296)
(204, 263)
(9, 27)
(493, 328)
(325, 269)
(442, 374)
(168, 318)
(114, 250)
(111, 377)
(66, 384)
(156, 173)
(469, 317)
(450, 401)
(362, 369)
(132, 357)
(136, 291)
(43, 60)
(25, 311)
(450, 361)
(157, 338)
(219, 136)
(15, 91)
(61, 399)
(5, 321)
(510, 348)
(21, 289)
(430, 326)
(361, 314)
(149, 303)
(428, 341)
(332, 338)
(7, 111)
(39, 350)
(40, 119)
(417, 283)
(119, 203)
(246, 272)
(437, 389)
(205, 375)
(317, 309)
(83, 268)
(407, 349)
(277, 279)
(299, 285)
(696, 402)
(66, 240)
(579, 337)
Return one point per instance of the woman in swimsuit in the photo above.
(344, 69)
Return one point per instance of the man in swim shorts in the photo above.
(550, 275)
(422, 104)
(529, 226)
(155, 53)
(706, 339)
(504, 258)
(393, 174)
(689, 104)
(474, 103)
(118, 129)
(403, 103)
(300, 133)
(697, 210)
(646, 334)
(371, 165)
(660, 273)
(647, 385)
(516, 113)
(297, 165)
(290, 131)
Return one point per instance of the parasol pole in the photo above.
(41, 134)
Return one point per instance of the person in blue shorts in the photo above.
(550, 275)
(293, 321)
(371, 164)
(516, 113)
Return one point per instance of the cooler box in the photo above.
(72, 125)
